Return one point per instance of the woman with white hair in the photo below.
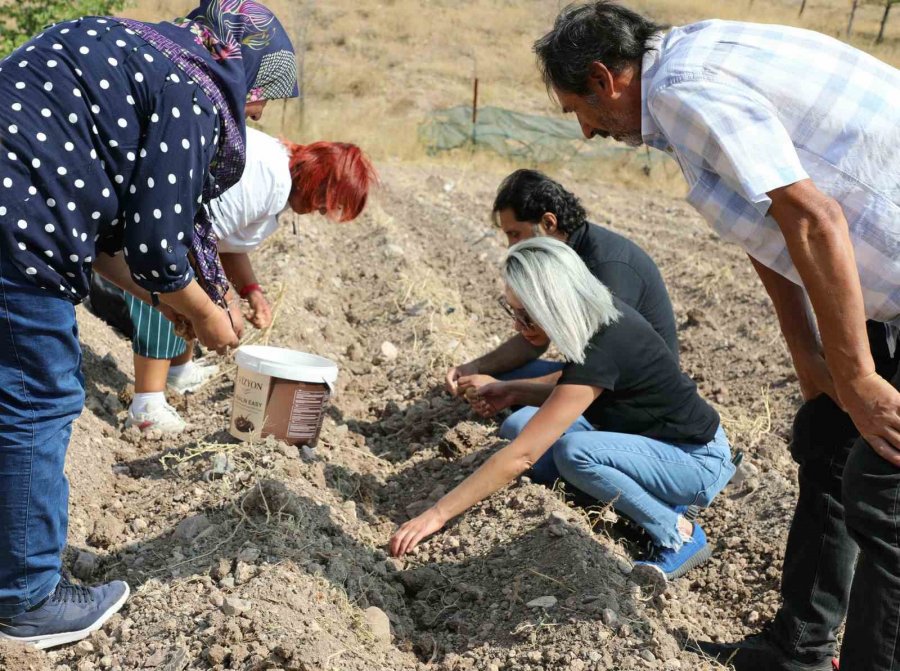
(623, 424)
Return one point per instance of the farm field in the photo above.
(262, 556)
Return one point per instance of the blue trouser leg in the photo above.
(41, 393)
(532, 369)
(643, 478)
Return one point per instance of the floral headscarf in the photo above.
(237, 52)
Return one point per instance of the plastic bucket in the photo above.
(282, 393)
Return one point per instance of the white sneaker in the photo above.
(191, 379)
(156, 417)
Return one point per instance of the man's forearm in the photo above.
(512, 354)
(792, 310)
(530, 392)
(818, 239)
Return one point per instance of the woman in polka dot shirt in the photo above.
(114, 136)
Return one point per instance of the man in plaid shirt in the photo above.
(790, 142)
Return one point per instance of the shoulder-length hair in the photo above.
(339, 171)
(559, 293)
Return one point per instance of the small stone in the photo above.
(234, 606)
(753, 617)
(290, 451)
(157, 658)
(85, 565)
(84, 648)
(647, 656)
(190, 527)
(216, 654)
(107, 530)
(243, 572)
(221, 569)
(389, 351)
(610, 618)
(542, 602)
(248, 555)
(139, 525)
(378, 623)
(392, 251)
(349, 508)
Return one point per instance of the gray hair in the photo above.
(559, 293)
(598, 31)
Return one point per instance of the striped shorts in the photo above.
(154, 335)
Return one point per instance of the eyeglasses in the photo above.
(519, 316)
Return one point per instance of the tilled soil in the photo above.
(261, 556)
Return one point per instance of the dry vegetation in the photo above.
(372, 71)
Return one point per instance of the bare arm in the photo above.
(799, 332)
(564, 406)
(818, 240)
(238, 269)
(512, 354)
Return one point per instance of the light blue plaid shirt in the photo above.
(747, 108)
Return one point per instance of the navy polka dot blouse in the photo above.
(104, 147)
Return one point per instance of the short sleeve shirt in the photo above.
(748, 108)
(630, 274)
(644, 390)
(247, 213)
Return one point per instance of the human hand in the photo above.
(874, 406)
(214, 331)
(452, 378)
(237, 317)
(260, 310)
(476, 382)
(491, 398)
(408, 536)
(814, 377)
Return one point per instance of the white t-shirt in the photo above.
(247, 213)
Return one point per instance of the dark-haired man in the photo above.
(788, 140)
(529, 204)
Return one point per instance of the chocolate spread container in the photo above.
(282, 393)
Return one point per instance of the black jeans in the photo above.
(847, 517)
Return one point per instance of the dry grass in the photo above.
(373, 71)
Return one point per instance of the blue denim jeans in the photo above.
(41, 393)
(642, 477)
(536, 368)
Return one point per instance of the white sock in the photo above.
(140, 401)
(177, 371)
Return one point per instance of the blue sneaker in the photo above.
(672, 564)
(69, 614)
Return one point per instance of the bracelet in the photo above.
(248, 289)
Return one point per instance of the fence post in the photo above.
(887, 10)
(852, 16)
(802, 7)
(475, 111)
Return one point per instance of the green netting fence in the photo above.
(516, 135)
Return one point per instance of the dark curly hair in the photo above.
(530, 194)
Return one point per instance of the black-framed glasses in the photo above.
(519, 316)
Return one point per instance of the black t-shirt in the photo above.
(644, 390)
(630, 274)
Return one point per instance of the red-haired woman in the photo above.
(330, 178)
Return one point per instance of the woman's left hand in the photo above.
(416, 530)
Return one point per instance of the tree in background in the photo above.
(24, 19)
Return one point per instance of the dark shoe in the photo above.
(755, 653)
(70, 614)
(671, 564)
